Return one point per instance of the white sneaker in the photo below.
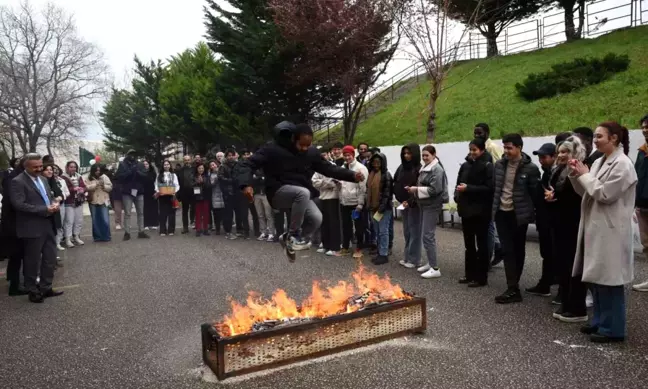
(332, 253)
(162, 234)
(409, 265)
(402, 262)
(321, 245)
(641, 287)
(431, 274)
(78, 240)
(589, 300)
(321, 251)
(59, 247)
(118, 227)
(154, 228)
(68, 243)
(270, 238)
(262, 237)
(423, 268)
(146, 228)
(171, 234)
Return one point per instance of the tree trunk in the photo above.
(491, 41)
(581, 18)
(49, 145)
(432, 108)
(570, 29)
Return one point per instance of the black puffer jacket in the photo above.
(407, 175)
(527, 179)
(477, 199)
(226, 178)
(386, 183)
(283, 164)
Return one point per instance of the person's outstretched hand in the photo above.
(248, 192)
(359, 176)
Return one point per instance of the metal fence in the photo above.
(601, 17)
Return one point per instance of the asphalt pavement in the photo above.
(131, 314)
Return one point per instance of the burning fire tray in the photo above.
(260, 350)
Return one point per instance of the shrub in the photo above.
(570, 76)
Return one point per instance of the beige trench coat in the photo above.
(604, 253)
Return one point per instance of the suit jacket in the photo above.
(604, 252)
(32, 218)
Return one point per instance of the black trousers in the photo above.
(255, 217)
(167, 215)
(241, 209)
(513, 239)
(39, 251)
(187, 209)
(218, 219)
(546, 237)
(16, 252)
(572, 289)
(475, 229)
(331, 228)
(228, 213)
(348, 225)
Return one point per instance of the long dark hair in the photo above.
(161, 173)
(67, 165)
(196, 174)
(614, 128)
(93, 169)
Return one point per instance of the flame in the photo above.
(323, 301)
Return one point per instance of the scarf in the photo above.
(74, 179)
(373, 190)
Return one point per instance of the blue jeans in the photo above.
(100, 223)
(412, 234)
(429, 220)
(493, 240)
(381, 229)
(609, 310)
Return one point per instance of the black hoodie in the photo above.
(386, 183)
(407, 174)
(283, 164)
(477, 199)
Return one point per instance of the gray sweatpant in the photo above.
(304, 214)
(128, 201)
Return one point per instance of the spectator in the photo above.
(604, 255)
(116, 199)
(30, 197)
(329, 189)
(185, 195)
(263, 208)
(586, 136)
(406, 176)
(232, 197)
(74, 205)
(516, 182)
(99, 187)
(220, 156)
(57, 197)
(13, 246)
(65, 191)
(167, 179)
(202, 197)
(132, 175)
(289, 163)
(251, 208)
(217, 202)
(547, 156)
(474, 198)
(352, 201)
(562, 137)
(363, 154)
(151, 216)
(641, 167)
(336, 153)
(379, 202)
(431, 192)
(564, 209)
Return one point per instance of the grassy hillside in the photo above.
(488, 95)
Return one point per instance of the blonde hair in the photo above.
(575, 146)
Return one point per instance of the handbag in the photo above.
(175, 203)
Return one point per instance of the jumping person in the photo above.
(288, 163)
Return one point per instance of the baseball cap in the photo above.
(546, 149)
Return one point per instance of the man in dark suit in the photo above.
(32, 200)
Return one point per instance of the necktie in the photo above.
(43, 193)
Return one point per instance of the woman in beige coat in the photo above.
(99, 187)
(604, 256)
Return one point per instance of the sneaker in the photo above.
(76, 239)
(510, 296)
(588, 329)
(262, 237)
(68, 243)
(641, 287)
(297, 244)
(423, 268)
(171, 234)
(464, 280)
(321, 246)
(332, 253)
(402, 262)
(233, 237)
(344, 252)
(154, 228)
(126, 236)
(321, 250)
(271, 238)
(598, 338)
(380, 260)
(146, 228)
(409, 265)
(568, 317)
(589, 300)
(432, 273)
(539, 290)
(163, 234)
(556, 300)
(357, 254)
(142, 235)
(118, 227)
(59, 247)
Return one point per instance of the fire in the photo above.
(344, 297)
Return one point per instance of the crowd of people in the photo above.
(341, 200)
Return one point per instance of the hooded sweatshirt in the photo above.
(407, 174)
(379, 193)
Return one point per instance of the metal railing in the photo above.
(601, 17)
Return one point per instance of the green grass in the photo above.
(488, 95)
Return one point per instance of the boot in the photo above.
(68, 243)
(78, 241)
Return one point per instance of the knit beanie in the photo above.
(348, 149)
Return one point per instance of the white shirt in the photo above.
(170, 179)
